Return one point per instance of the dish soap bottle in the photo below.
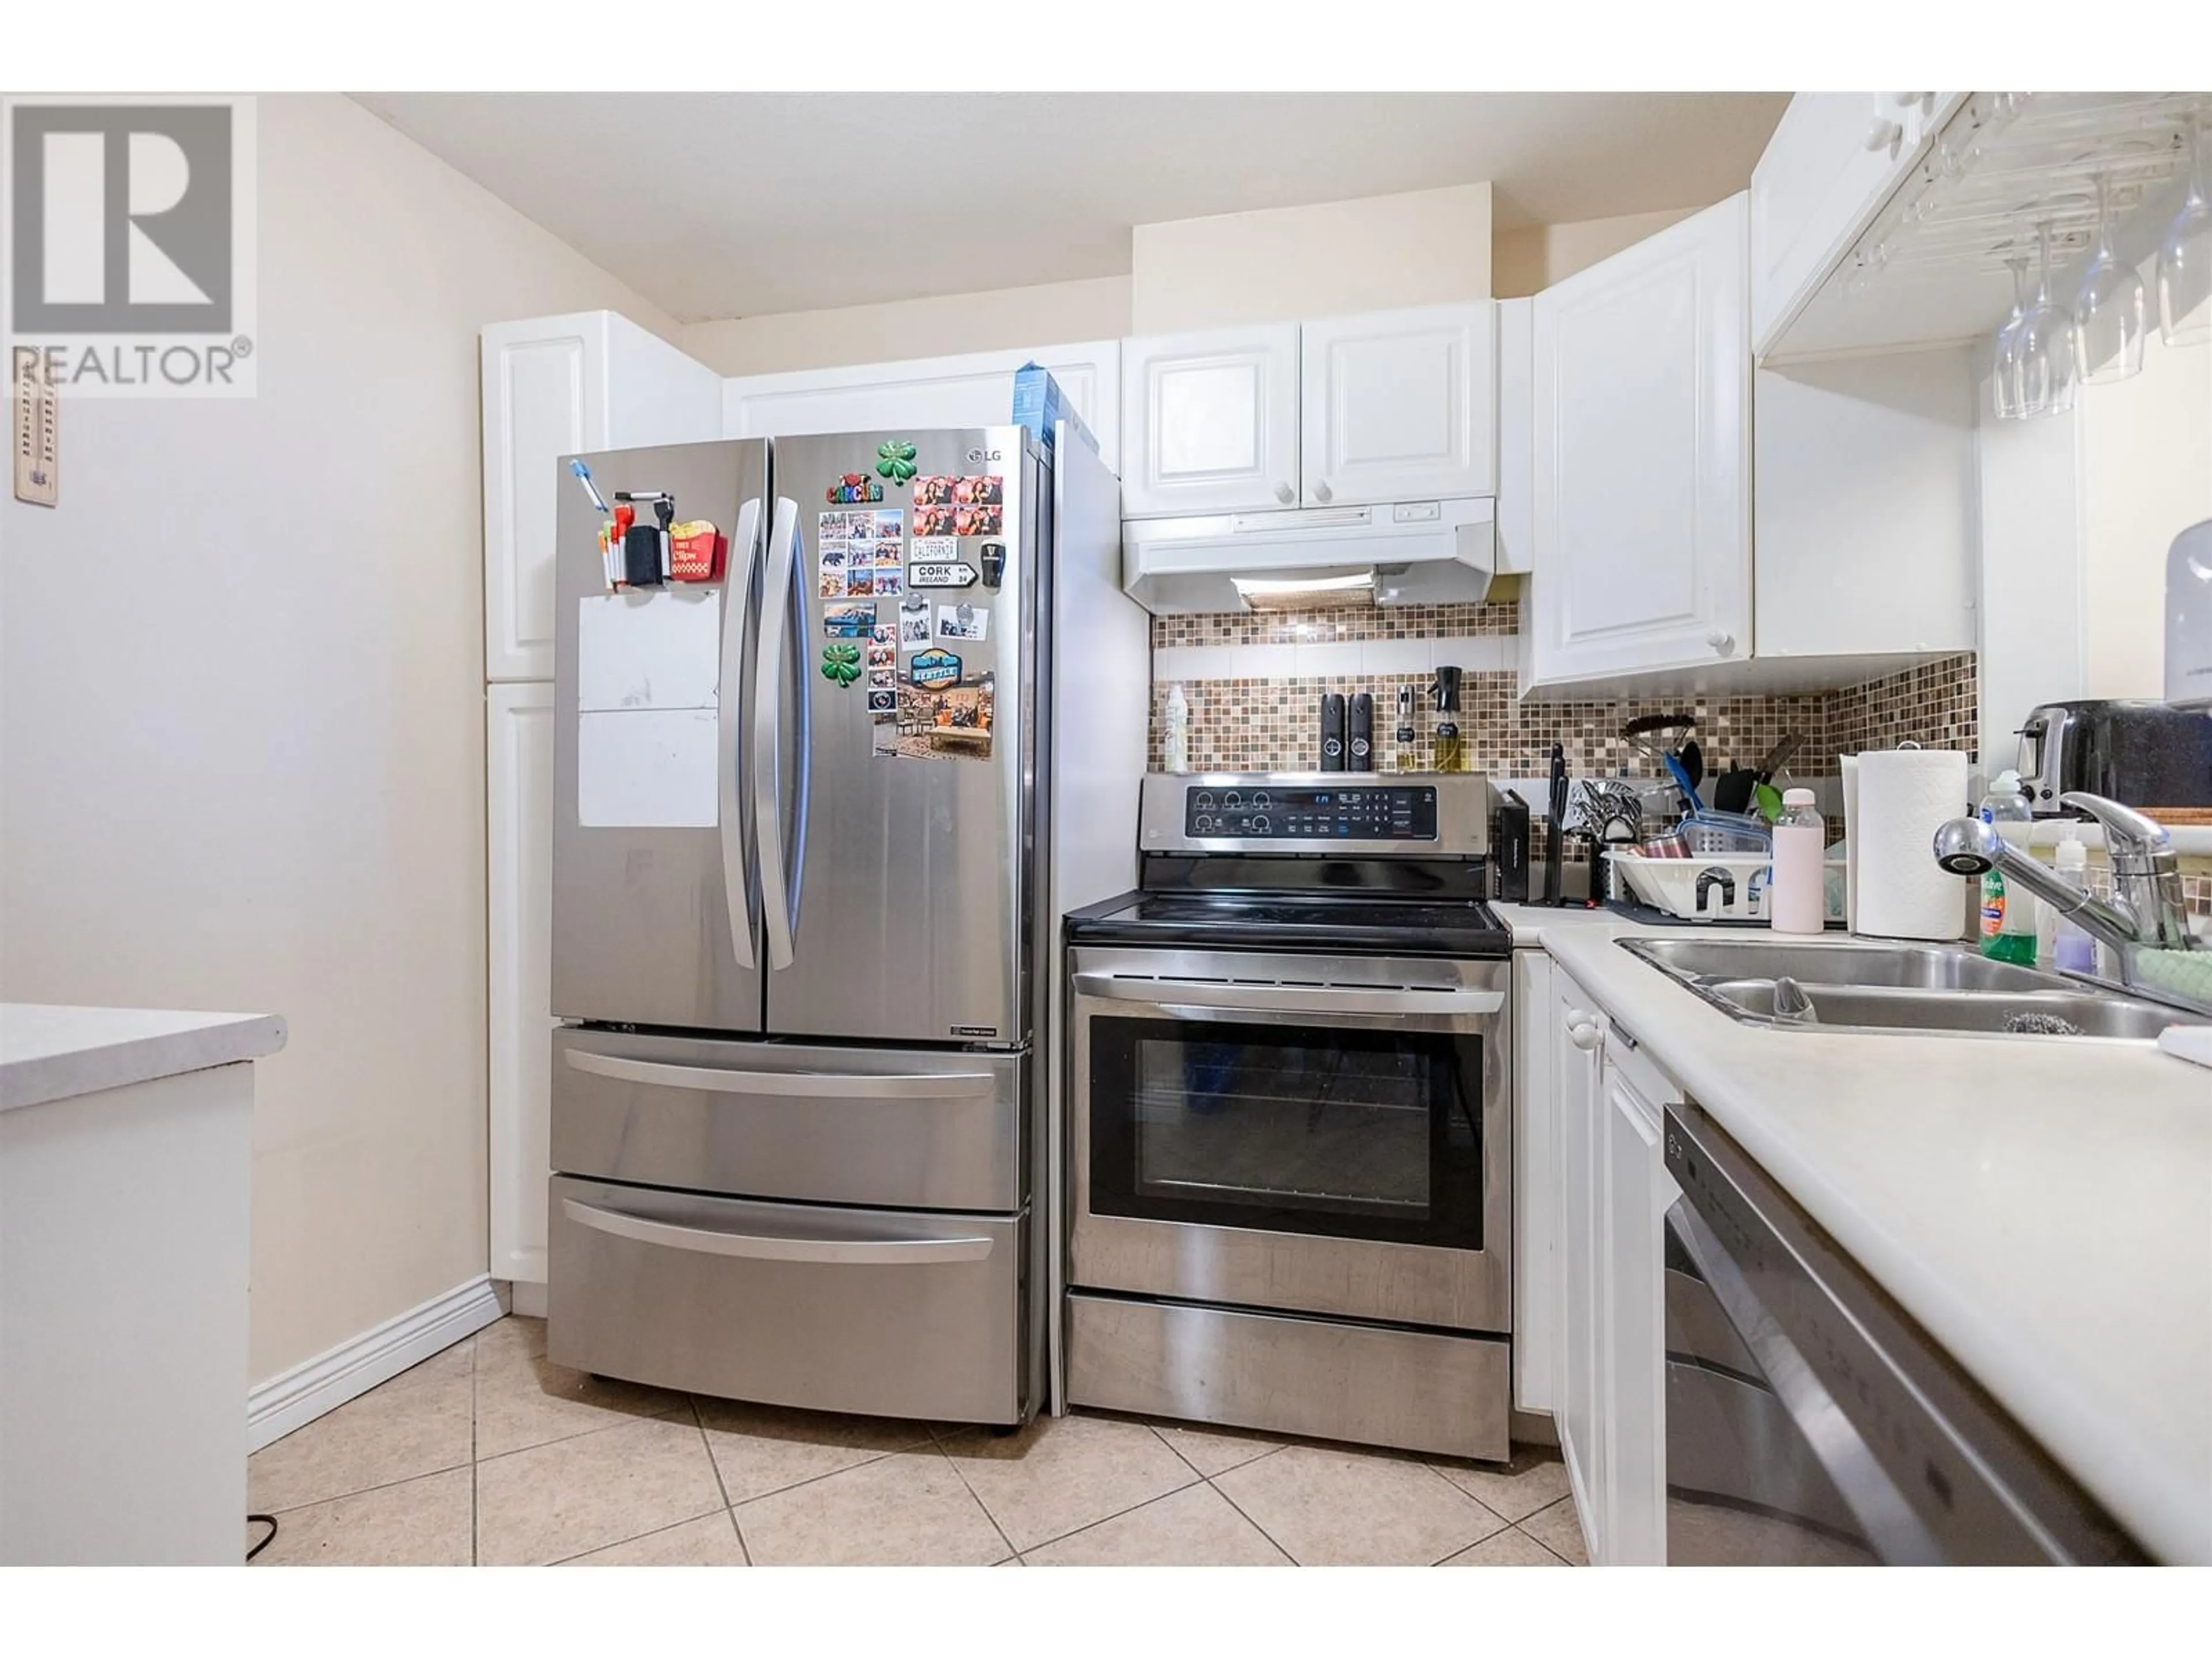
(1799, 901)
(2072, 950)
(1450, 748)
(1178, 729)
(2007, 918)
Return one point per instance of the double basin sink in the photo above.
(1865, 986)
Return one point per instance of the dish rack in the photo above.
(1717, 887)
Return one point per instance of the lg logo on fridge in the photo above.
(130, 269)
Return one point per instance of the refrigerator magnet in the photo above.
(890, 579)
(933, 669)
(881, 679)
(914, 624)
(935, 549)
(930, 521)
(883, 702)
(895, 461)
(840, 662)
(852, 487)
(964, 621)
(934, 490)
(990, 491)
(979, 520)
(848, 621)
(888, 525)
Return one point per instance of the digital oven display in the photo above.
(1384, 812)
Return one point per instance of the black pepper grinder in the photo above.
(1359, 724)
(1332, 732)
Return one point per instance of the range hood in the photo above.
(1442, 552)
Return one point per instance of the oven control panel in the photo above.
(1354, 812)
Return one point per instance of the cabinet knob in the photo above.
(1285, 493)
(1321, 490)
(1721, 642)
(1584, 1035)
(1883, 133)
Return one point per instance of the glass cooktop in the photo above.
(1453, 928)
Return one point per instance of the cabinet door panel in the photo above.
(1210, 422)
(1575, 1095)
(974, 389)
(1399, 404)
(518, 753)
(1643, 465)
(1835, 158)
(544, 395)
(1633, 1326)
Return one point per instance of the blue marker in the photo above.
(583, 477)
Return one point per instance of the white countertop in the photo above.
(49, 1051)
(2043, 1207)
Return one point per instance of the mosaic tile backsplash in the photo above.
(1275, 724)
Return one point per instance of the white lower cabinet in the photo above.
(1577, 1031)
(1536, 1190)
(519, 806)
(1612, 1192)
(1632, 1347)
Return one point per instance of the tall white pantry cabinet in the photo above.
(552, 386)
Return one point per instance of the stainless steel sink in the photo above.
(1920, 967)
(1862, 987)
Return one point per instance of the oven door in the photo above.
(1322, 1135)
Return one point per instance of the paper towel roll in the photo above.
(1851, 828)
(1903, 796)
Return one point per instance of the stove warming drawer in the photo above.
(1418, 1391)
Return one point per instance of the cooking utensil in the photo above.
(1732, 790)
(1557, 848)
(1778, 758)
(1694, 762)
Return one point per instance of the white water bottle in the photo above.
(1178, 729)
(1801, 841)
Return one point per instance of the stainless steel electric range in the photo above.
(1290, 1142)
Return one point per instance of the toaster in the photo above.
(2138, 753)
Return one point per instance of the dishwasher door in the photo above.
(1810, 1420)
(1744, 1485)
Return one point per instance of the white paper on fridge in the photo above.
(654, 648)
(651, 769)
(649, 667)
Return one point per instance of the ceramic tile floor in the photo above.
(490, 1453)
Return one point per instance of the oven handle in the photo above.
(765, 1247)
(1189, 998)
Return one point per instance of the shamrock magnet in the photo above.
(841, 663)
(895, 461)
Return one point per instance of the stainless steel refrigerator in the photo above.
(807, 878)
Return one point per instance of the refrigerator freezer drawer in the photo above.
(890, 1314)
(1419, 1390)
(914, 1128)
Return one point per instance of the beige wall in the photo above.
(241, 713)
(1422, 248)
(997, 319)
(1532, 258)
(2146, 470)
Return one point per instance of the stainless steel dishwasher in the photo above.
(1811, 1421)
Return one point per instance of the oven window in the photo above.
(1361, 1134)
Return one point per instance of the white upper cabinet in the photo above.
(1399, 404)
(555, 386)
(1210, 421)
(1834, 159)
(1642, 457)
(975, 389)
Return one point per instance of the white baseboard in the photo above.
(323, 1384)
(527, 1298)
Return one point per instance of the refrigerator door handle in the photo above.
(814, 1086)
(736, 593)
(764, 1247)
(776, 604)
